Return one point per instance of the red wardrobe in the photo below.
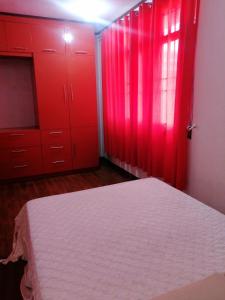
(48, 107)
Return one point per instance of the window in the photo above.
(170, 47)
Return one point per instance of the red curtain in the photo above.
(148, 66)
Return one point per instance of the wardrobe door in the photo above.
(85, 147)
(19, 37)
(49, 37)
(82, 90)
(82, 39)
(52, 91)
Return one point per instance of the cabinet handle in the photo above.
(81, 52)
(58, 162)
(49, 50)
(20, 166)
(55, 132)
(19, 151)
(65, 94)
(17, 134)
(20, 48)
(74, 150)
(56, 147)
(71, 90)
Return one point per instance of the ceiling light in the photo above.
(90, 11)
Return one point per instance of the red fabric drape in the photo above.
(148, 65)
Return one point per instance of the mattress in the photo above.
(134, 240)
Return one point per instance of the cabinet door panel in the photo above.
(3, 45)
(49, 38)
(85, 147)
(82, 88)
(52, 91)
(19, 37)
(83, 41)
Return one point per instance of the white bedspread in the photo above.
(129, 241)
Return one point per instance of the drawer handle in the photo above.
(65, 94)
(55, 132)
(56, 147)
(17, 134)
(58, 162)
(20, 48)
(49, 50)
(19, 151)
(81, 52)
(71, 90)
(20, 166)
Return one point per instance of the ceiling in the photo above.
(66, 9)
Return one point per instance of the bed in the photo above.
(135, 240)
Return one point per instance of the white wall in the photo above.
(207, 147)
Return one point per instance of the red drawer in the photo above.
(20, 162)
(56, 152)
(55, 137)
(19, 138)
(56, 147)
(62, 163)
(3, 45)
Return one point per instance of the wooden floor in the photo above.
(14, 195)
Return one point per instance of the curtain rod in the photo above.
(123, 15)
